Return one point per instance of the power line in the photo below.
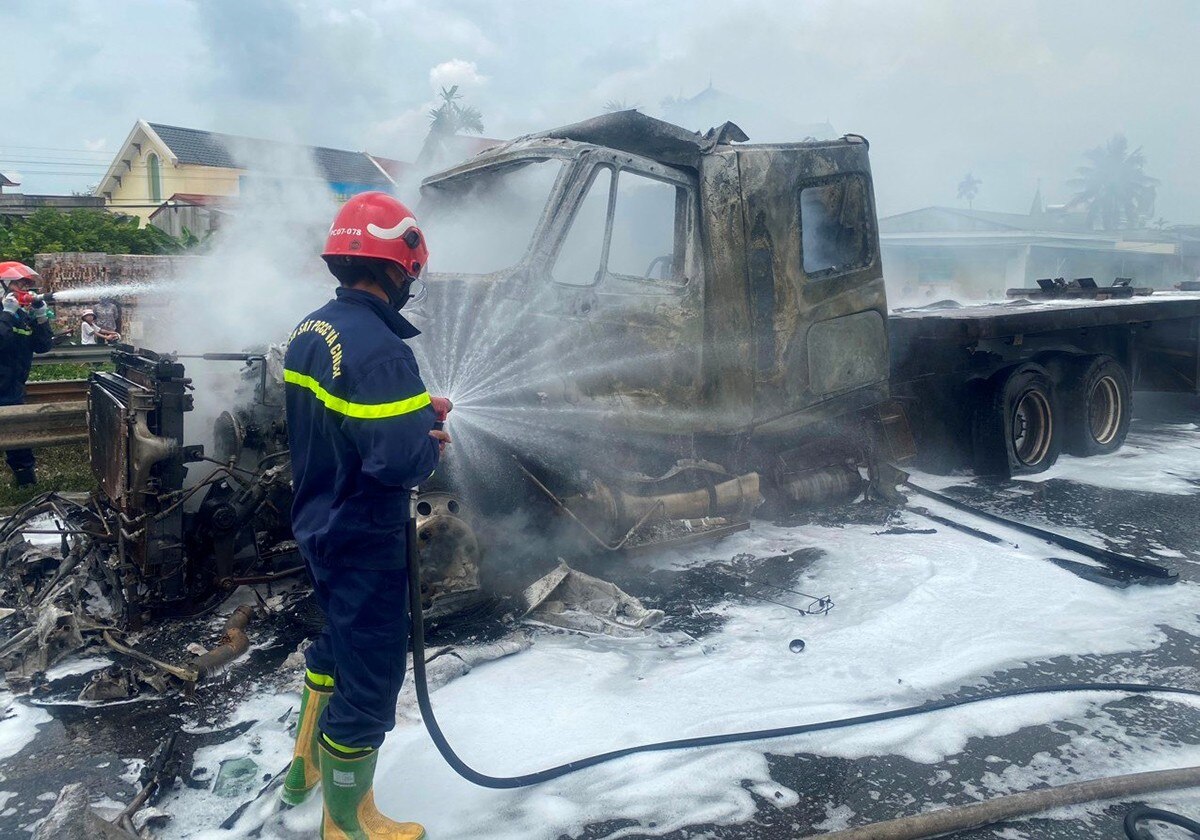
(55, 149)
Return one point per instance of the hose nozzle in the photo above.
(442, 408)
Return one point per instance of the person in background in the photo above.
(23, 332)
(89, 330)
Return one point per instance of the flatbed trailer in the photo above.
(1005, 387)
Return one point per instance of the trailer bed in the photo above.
(953, 323)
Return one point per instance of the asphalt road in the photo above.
(884, 787)
(96, 746)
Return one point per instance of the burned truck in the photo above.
(698, 298)
(652, 312)
(646, 332)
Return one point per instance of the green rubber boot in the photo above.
(347, 781)
(305, 772)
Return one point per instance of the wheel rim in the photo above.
(1104, 410)
(1032, 428)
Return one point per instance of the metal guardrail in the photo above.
(45, 424)
(59, 390)
(54, 414)
(74, 354)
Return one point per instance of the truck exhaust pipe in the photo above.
(616, 511)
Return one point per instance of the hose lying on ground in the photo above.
(503, 782)
(964, 817)
(1140, 813)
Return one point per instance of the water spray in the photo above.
(82, 293)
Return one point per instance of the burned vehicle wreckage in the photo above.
(651, 411)
(646, 333)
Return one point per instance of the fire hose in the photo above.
(1184, 778)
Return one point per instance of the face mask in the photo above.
(398, 296)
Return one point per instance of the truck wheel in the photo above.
(1016, 429)
(1097, 403)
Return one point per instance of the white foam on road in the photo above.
(1156, 458)
(917, 616)
(75, 667)
(18, 724)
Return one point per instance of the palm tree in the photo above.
(1113, 187)
(447, 120)
(968, 188)
(614, 105)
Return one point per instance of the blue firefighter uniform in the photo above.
(21, 335)
(358, 428)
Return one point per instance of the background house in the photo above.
(199, 215)
(947, 252)
(158, 162)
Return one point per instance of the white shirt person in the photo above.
(89, 330)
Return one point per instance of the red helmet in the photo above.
(10, 271)
(378, 226)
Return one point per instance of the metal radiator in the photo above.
(135, 419)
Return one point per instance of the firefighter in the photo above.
(23, 332)
(361, 434)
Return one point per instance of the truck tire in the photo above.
(1016, 428)
(1097, 404)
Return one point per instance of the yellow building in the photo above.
(157, 161)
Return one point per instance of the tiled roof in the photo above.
(208, 148)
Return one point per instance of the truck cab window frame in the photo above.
(664, 272)
(666, 261)
(836, 229)
(577, 242)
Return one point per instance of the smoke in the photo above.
(262, 275)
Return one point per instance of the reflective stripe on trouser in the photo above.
(364, 645)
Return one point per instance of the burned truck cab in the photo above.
(796, 276)
(690, 287)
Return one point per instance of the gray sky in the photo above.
(1011, 91)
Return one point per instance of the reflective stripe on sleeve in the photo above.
(366, 411)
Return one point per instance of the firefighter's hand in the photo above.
(41, 312)
(443, 439)
(441, 407)
(10, 303)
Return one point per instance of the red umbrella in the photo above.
(17, 271)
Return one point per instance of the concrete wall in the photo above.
(19, 204)
(119, 309)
